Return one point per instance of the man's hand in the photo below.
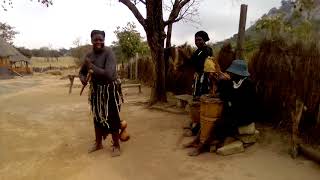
(223, 76)
(83, 80)
(88, 63)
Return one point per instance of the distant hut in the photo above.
(12, 62)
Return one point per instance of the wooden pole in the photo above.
(137, 63)
(131, 68)
(296, 117)
(241, 32)
(318, 116)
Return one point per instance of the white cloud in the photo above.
(60, 24)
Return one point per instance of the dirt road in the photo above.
(45, 134)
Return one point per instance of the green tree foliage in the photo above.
(304, 5)
(294, 28)
(7, 32)
(42, 52)
(272, 26)
(24, 51)
(129, 42)
(63, 51)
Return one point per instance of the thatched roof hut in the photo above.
(12, 61)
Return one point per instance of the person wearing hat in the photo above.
(100, 65)
(237, 92)
(238, 95)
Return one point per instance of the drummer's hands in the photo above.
(223, 76)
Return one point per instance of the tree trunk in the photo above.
(169, 32)
(158, 93)
(156, 35)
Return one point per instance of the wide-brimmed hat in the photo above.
(239, 67)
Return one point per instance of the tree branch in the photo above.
(135, 2)
(188, 13)
(135, 11)
(177, 6)
(143, 2)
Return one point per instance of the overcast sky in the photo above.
(59, 25)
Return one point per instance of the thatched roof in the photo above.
(5, 50)
(8, 51)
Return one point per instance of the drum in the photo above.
(195, 111)
(210, 111)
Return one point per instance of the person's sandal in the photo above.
(115, 151)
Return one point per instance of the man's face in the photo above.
(234, 76)
(199, 42)
(97, 41)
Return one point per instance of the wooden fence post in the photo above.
(137, 63)
(241, 32)
(318, 116)
(131, 68)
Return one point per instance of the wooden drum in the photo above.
(210, 111)
(195, 111)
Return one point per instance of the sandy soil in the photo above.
(45, 134)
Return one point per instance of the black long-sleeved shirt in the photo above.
(199, 56)
(104, 67)
(239, 104)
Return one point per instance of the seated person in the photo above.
(237, 93)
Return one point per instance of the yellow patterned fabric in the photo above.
(209, 65)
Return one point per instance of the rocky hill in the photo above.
(290, 13)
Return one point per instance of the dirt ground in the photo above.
(45, 134)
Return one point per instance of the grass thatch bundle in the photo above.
(180, 71)
(225, 56)
(146, 70)
(285, 72)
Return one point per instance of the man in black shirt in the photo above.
(201, 82)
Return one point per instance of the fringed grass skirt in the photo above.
(105, 107)
(201, 85)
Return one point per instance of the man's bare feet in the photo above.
(197, 151)
(115, 151)
(95, 147)
(190, 144)
(194, 152)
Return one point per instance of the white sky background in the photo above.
(59, 25)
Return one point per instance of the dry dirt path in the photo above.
(45, 134)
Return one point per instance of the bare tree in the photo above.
(7, 32)
(9, 3)
(187, 14)
(154, 26)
